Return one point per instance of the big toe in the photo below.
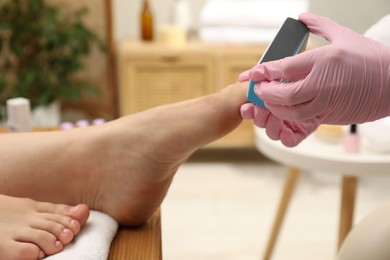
(79, 212)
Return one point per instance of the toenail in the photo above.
(74, 209)
(66, 230)
(57, 243)
(73, 222)
(41, 255)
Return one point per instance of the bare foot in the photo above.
(144, 151)
(33, 230)
(123, 168)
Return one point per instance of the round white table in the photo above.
(315, 154)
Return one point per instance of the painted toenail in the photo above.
(41, 255)
(74, 209)
(57, 243)
(66, 230)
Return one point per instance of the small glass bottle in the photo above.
(181, 14)
(146, 21)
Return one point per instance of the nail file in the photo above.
(290, 40)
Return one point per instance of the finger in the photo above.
(285, 94)
(247, 111)
(260, 116)
(244, 76)
(289, 138)
(324, 26)
(273, 127)
(289, 68)
(308, 112)
(293, 134)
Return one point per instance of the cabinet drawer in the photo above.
(153, 75)
(164, 80)
(232, 67)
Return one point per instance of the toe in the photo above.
(22, 251)
(57, 225)
(43, 239)
(67, 222)
(79, 212)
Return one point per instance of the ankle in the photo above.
(96, 150)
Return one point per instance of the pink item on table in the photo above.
(82, 123)
(66, 126)
(352, 140)
(98, 121)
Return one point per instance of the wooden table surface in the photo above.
(141, 243)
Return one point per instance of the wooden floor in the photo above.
(223, 210)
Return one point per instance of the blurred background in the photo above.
(111, 30)
(102, 59)
(358, 15)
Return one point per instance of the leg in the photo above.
(122, 168)
(347, 208)
(32, 230)
(288, 190)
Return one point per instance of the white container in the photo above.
(19, 115)
(181, 14)
(172, 36)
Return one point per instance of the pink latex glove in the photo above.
(289, 133)
(344, 82)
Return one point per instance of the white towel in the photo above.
(237, 34)
(258, 13)
(380, 31)
(94, 240)
(376, 135)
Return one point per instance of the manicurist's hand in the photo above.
(288, 132)
(345, 82)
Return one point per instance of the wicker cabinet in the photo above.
(152, 75)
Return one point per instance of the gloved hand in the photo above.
(289, 133)
(345, 82)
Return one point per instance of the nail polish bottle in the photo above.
(19, 115)
(352, 140)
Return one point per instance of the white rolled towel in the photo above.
(93, 242)
(380, 31)
(252, 13)
(238, 35)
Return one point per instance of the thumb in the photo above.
(244, 76)
(323, 26)
(290, 68)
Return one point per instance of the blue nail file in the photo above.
(290, 40)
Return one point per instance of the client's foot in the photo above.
(122, 168)
(138, 155)
(33, 230)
